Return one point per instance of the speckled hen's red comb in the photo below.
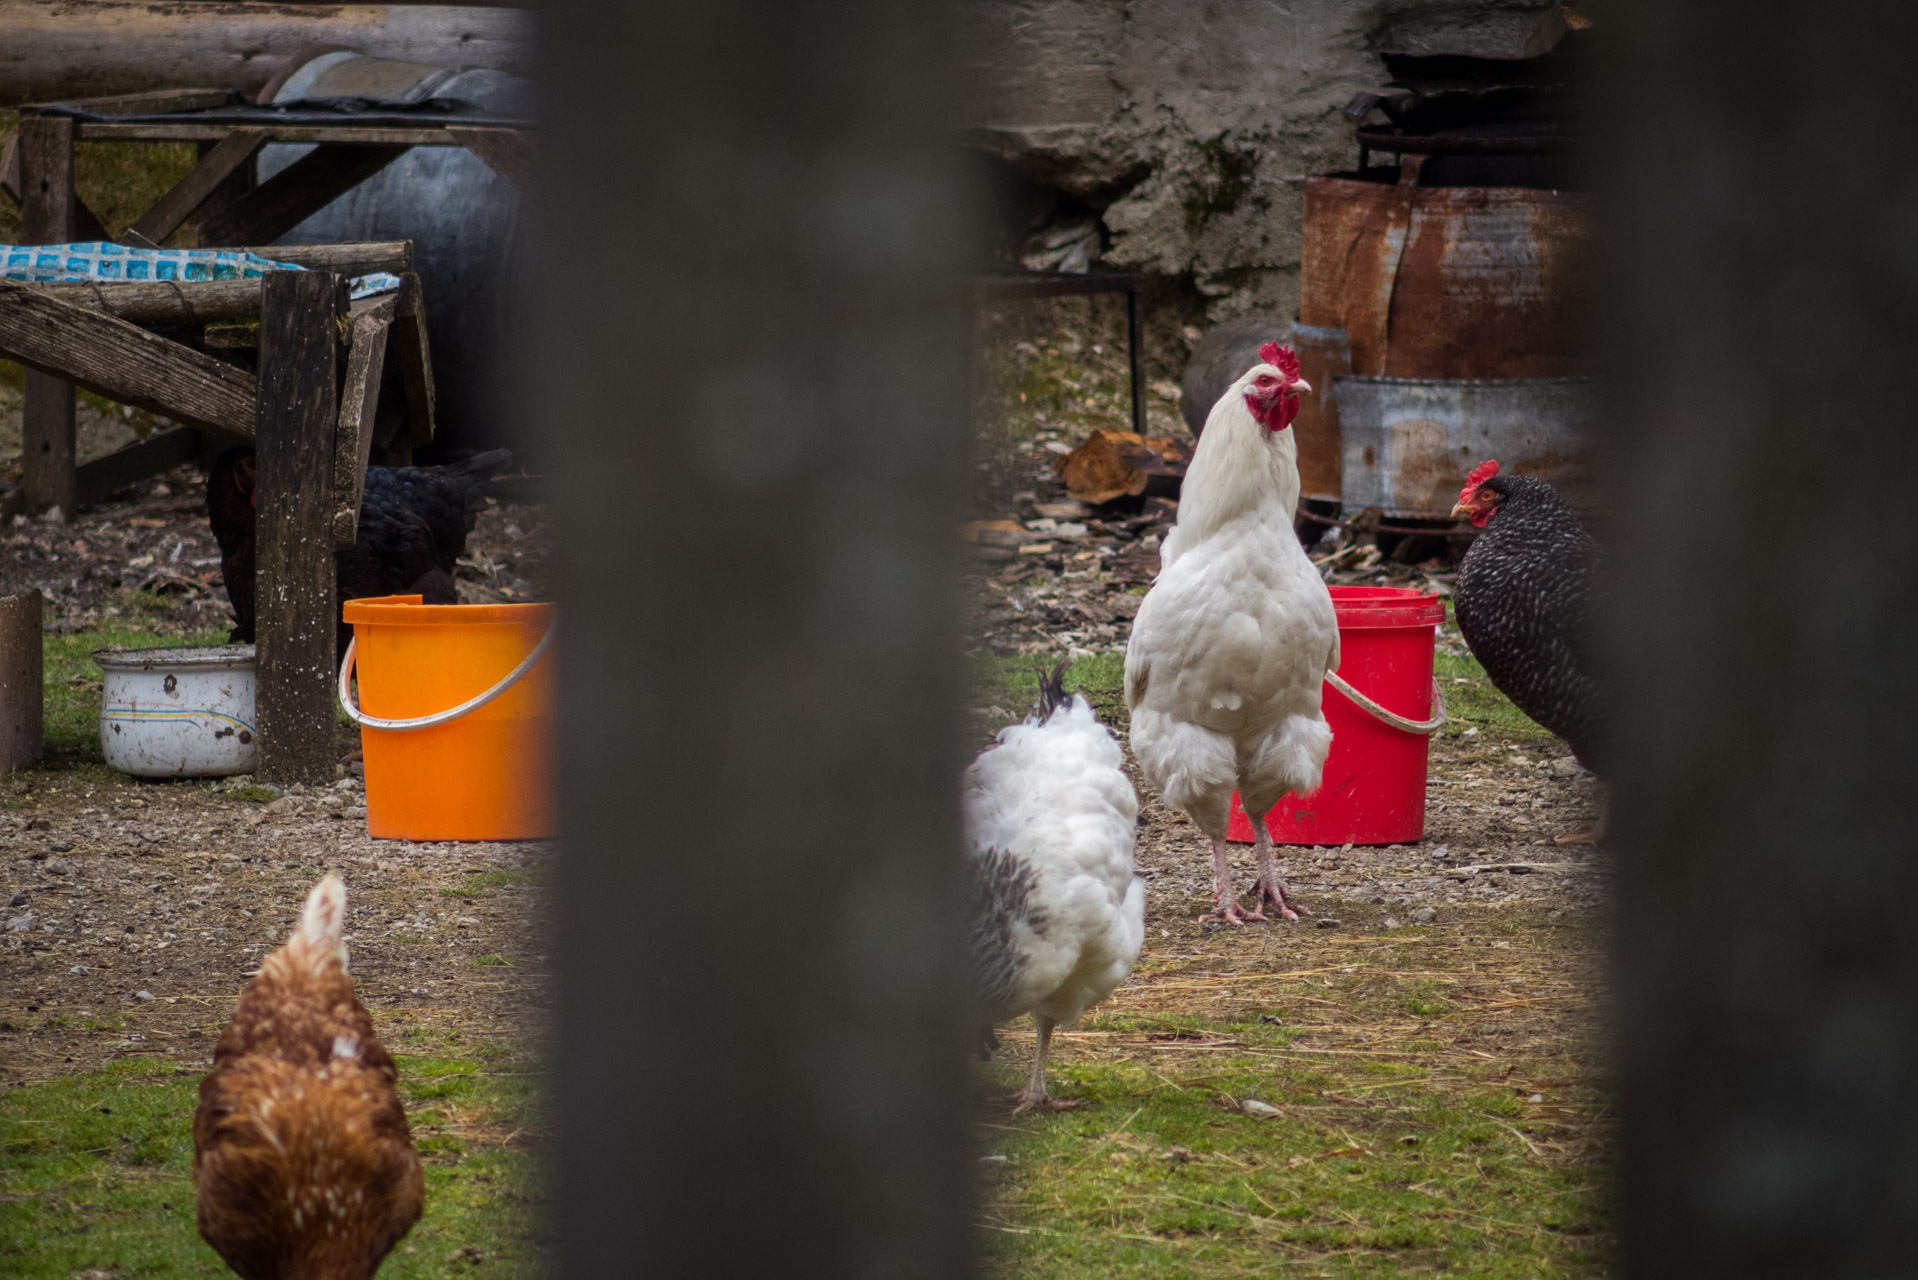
(1282, 359)
(1480, 474)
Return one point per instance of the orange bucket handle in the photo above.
(438, 717)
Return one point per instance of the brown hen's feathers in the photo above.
(301, 1151)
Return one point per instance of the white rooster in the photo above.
(1226, 665)
(1057, 915)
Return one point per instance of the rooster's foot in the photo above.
(1289, 908)
(1231, 912)
(1026, 1101)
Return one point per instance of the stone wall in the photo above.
(1186, 128)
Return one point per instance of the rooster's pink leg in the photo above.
(1226, 902)
(1271, 884)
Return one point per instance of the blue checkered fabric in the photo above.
(105, 261)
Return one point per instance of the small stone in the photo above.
(39, 824)
(23, 924)
(58, 866)
(1327, 922)
(1271, 1021)
(143, 996)
(1537, 1097)
(60, 846)
(79, 969)
(285, 804)
(19, 898)
(1567, 767)
(1391, 922)
(1253, 1107)
(1424, 915)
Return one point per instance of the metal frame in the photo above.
(1008, 285)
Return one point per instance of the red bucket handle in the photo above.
(1425, 728)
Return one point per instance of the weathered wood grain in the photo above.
(359, 403)
(48, 210)
(22, 696)
(118, 359)
(295, 193)
(416, 360)
(295, 597)
(346, 259)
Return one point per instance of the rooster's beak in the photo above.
(1299, 384)
(1461, 512)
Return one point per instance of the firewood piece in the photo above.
(124, 362)
(297, 192)
(295, 607)
(22, 696)
(1117, 464)
(359, 259)
(187, 195)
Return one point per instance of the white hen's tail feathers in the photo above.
(321, 935)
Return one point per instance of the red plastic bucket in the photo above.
(1373, 790)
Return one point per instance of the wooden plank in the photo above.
(47, 213)
(237, 184)
(56, 49)
(226, 158)
(416, 360)
(508, 151)
(359, 403)
(124, 362)
(196, 302)
(327, 134)
(103, 477)
(152, 102)
(10, 165)
(358, 259)
(300, 190)
(295, 597)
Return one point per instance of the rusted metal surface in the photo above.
(1410, 442)
(1324, 354)
(1445, 282)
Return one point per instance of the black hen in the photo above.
(413, 527)
(1525, 602)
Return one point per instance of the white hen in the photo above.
(1226, 665)
(1057, 915)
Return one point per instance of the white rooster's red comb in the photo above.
(1480, 474)
(1282, 359)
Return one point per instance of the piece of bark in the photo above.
(1118, 464)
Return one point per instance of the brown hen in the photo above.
(301, 1152)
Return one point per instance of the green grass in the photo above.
(119, 181)
(1401, 1146)
(97, 1173)
(72, 679)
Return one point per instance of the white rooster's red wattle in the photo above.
(1226, 664)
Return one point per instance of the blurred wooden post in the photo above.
(47, 208)
(295, 610)
(1762, 315)
(756, 392)
(22, 695)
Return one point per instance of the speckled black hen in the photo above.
(412, 532)
(1525, 603)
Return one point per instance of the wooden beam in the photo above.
(152, 102)
(124, 362)
(103, 477)
(226, 158)
(10, 165)
(416, 361)
(325, 134)
(56, 48)
(196, 302)
(48, 210)
(296, 609)
(297, 192)
(508, 151)
(359, 403)
(359, 259)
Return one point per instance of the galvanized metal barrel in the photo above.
(1409, 442)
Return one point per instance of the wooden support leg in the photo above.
(47, 217)
(294, 604)
(21, 693)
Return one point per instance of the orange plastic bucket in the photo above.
(436, 768)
